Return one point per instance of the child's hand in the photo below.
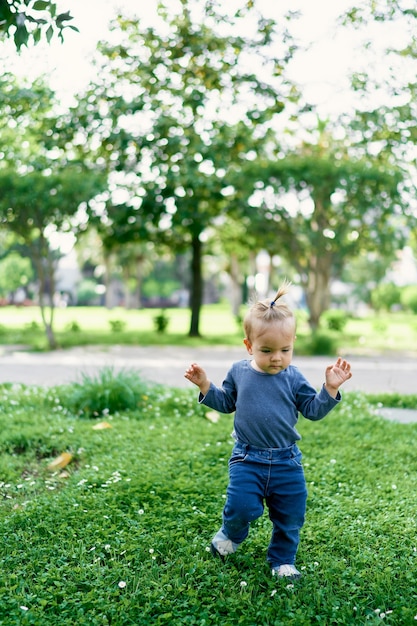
(198, 376)
(336, 375)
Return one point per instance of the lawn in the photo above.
(120, 535)
(396, 332)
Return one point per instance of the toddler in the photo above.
(267, 393)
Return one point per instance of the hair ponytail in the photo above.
(267, 311)
(284, 289)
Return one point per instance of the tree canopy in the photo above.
(42, 186)
(29, 21)
(177, 112)
(200, 134)
(321, 205)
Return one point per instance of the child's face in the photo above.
(272, 347)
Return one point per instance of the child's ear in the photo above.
(248, 345)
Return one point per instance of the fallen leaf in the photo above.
(61, 461)
(212, 416)
(102, 426)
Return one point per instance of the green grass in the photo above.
(78, 326)
(121, 535)
(95, 326)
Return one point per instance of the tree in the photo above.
(387, 126)
(35, 205)
(325, 205)
(15, 272)
(28, 21)
(177, 112)
(364, 272)
(42, 186)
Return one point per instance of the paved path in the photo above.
(166, 365)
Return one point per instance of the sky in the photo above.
(322, 70)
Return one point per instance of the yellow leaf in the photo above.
(61, 461)
(212, 416)
(102, 426)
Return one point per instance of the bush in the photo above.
(117, 326)
(321, 344)
(385, 296)
(73, 327)
(161, 322)
(335, 319)
(107, 393)
(409, 298)
(86, 292)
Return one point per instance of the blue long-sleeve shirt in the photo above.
(267, 405)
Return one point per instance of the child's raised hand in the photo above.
(336, 375)
(198, 376)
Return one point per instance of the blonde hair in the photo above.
(268, 311)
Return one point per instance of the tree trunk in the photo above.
(110, 295)
(236, 287)
(133, 297)
(318, 289)
(47, 319)
(196, 293)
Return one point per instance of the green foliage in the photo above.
(321, 343)
(122, 535)
(117, 326)
(15, 271)
(353, 203)
(106, 393)
(387, 332)
(29, 21)
(161, 322)
(197, 160)
(408, 298)
(385, 296)
(335, 319)
(393, 400)
(163, 280)
(86, 292)
(73, 327)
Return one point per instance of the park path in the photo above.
(166, 365)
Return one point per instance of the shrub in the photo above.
(409, 298)
(108, 392)
(385, 296)
(87, 292)
(161, 322)
(380, 326)
(117, 326)
(33, 326)
(393, 400)
(73, 327)
(335, 319)
(321, 344)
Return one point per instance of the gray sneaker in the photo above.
(222, 546)
(286, 571)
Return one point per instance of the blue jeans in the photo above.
(273, 476)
